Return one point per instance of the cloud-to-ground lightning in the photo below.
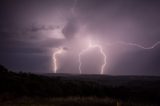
(55, 63)
(59, 51)
(90, 46)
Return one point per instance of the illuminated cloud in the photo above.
(67, 23)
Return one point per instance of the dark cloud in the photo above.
(52, 43)
(43, 28)
(27, 62)
(71, 28)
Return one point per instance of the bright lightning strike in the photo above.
(59, 51)
(104, 55)
(88, 48)
(55, 63)
(140, 46)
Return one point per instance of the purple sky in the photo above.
(30, 30)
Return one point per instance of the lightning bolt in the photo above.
(59, 51)
(88, 48)
(104, 55)
(139, 46)
(55, 63)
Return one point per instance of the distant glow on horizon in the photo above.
(55, 63)
(90, 46)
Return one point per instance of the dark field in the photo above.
(72, 101)
(26, 89)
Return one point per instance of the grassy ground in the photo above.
(70, 101)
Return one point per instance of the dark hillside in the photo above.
(138, 88)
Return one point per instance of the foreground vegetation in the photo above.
(26, 89)
(72, 101)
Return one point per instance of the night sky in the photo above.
(32, 30)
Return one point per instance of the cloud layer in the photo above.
(30, 30)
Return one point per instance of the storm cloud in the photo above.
(31, 30)
(71, 28)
